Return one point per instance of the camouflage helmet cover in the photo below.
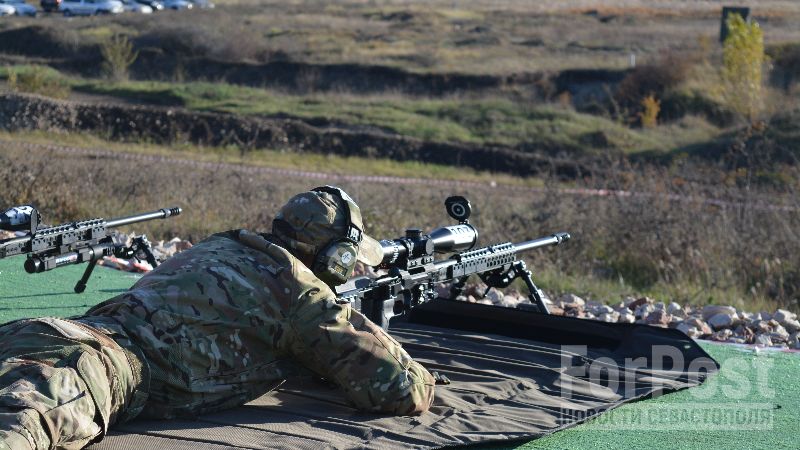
(310, 221)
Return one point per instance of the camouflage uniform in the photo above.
(212, 328)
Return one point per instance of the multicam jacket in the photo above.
(231, 318)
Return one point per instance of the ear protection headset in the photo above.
(334, 263)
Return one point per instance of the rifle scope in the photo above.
(455, 238)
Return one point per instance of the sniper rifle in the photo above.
(89, 240)
(413, 273)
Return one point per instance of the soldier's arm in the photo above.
(348, 349)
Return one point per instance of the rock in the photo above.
(688, 330)
(643, 310)
(659, 306)
(572, 299)
(722, 335)
(622, 309)
(475, 290)
(712, 310)
(510, 301)
(588, 315)
(575, 312)
(791, 325)
(443, 291)
(745, 333)
(722, 320)
(604, 309)
(461, 298)
(763, 339)
(765, 316)
(673, 308)
(626, 318)
(471, 299)
(783, 315)
(610, 317)
(703, 327)
(794, 341)
(736, 340)
(495, 296)
(659, 318)
(555, 310)
(779, 335)
(485, 301)
(639, 302)
(760, 326)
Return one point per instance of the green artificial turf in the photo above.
(50, 293)
(764, 383)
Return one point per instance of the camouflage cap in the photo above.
(311, 220)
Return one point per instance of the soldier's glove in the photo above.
(440, 378)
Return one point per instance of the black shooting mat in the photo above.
(509, 373)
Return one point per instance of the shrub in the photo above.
(742, 65)
(649, 114)
(118, 55)
(38, 80)
(652, 79)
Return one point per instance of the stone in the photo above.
(622, 309)
(712, 310)
(610, 317)
(475, 290)
(674, 308)
(639, 302)
(471, 299)
(572, 299)
(495, 296)
(791, 325)
(794, 341)
(555, 310)
(765, 316)
(763, 339)
(588, 315)
(485, 301)
(745, 333)
(461, 298)
(783, 315)
(626, 318)
(443, 291)
(658, 318)
(698, 323)
(511, 301)
(736, 340)
(724, 320)
(779, 334)
(604, 309)
(760, 326)
(643, 310)
(722, 335)
(688, 330)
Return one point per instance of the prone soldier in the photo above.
(212, 328)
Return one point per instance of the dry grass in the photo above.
(480, 37)
(689, 251)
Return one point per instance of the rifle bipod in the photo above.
(518, 269)
(138, 244)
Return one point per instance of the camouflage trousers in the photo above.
(64, 382)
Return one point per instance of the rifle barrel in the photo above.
(554, 239)
(159, 214)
